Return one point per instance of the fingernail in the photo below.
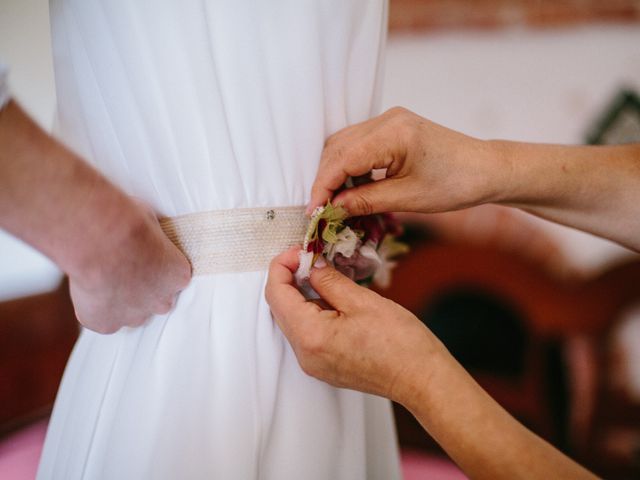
(320, 263)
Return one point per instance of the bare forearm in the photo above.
(53, 200)
(394, 355)
(478, 434)
(595, 189)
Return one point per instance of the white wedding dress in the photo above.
(197, 105)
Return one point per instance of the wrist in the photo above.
(110, 242)
(419, 374)
(497, 171)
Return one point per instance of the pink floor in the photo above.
(418, 466)
(20, 452)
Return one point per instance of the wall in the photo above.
(420, 15)
(536, 85)
(25, 47)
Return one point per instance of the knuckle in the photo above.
(308, 367)
(137, 322)
(331, 140)
(182, 271)
(272, 268)
(103, 329)
(316, 189)
(361, 300)
(333, 149)
(363, 204)
(325, 277)
(336, 154)
(401, 119)
(311, 344)
(396, 111)
(358, 153)
(163, 307)
(268, 293)
(185, 277)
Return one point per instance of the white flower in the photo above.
(382, 277)
(346, 244)
(388, 249)
(304, 270)
(368, 250)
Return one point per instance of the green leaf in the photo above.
(334, 216)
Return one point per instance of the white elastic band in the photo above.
(4, 86)
(238, 240)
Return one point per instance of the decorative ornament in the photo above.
(362, 248)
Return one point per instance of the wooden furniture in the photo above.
(37, 334)
(554, 311)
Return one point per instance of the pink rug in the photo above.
(420, 466)
(20, 453)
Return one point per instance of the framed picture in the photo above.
(620, 123)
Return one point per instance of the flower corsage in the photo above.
(362, 248)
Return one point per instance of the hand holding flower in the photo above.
(361, 341)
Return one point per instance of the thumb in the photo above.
(380, 196)
(336, 289)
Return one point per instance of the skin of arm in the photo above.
(430, 168)
(362, 341)
(122, 268)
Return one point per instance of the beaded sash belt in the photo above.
(237, 240)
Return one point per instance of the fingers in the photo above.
(290, 258)
(290, 309)
(349, 156)
(337, 290)
(179, 267)
(378, 143)
(335, 169)
(380, 196)
(144, 206)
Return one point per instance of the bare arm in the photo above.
(365, 342)
(122, 268)
(478, 434)
(430, 168)
(592, 188)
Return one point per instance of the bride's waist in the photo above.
(235, 240)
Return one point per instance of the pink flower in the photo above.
(361, 265)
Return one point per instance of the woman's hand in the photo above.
(368, 343)
(429, 168)
(360, 341)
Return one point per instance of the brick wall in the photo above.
(411, 15)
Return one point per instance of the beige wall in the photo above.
(26, 47)
(535, 85)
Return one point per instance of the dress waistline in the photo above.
(236, 240)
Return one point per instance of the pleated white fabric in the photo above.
(198, 105)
